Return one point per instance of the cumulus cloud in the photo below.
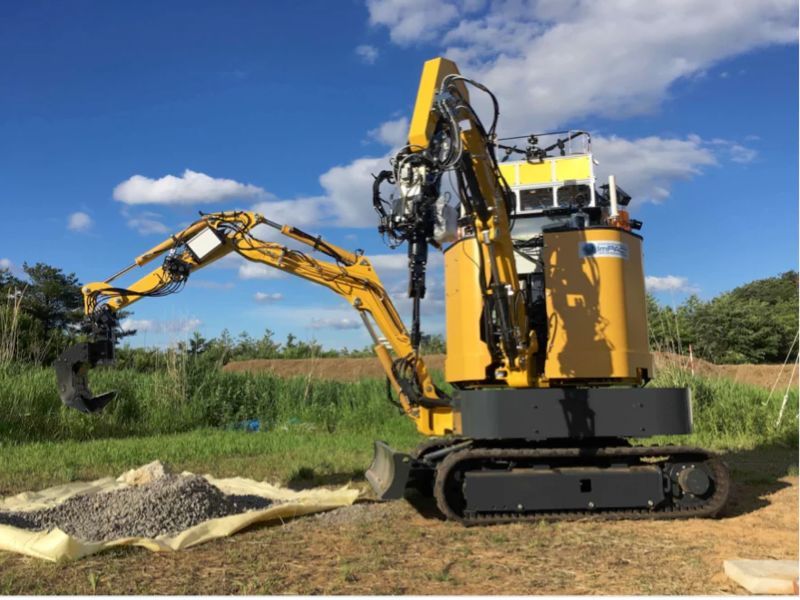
(246, 269)
(346, 201)
(268, 297)
(392, 133)
(349, 191)
(299, 212)
(412, 20)
(251, 270)
(80, 222)
(646, 167)
(668, 283)
(190, 188)
(551, 62)
(742, 154)
(394, 264)
(615, 58)
(335, 323)
(5, 263)
(368, 54)
(147, 224)
(156, 326)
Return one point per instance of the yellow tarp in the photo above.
(56, 545)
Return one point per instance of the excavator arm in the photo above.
(215, 235)
(447, 137)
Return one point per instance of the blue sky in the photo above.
(289, 107)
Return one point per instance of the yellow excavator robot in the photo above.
(547, 344)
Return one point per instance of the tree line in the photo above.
(41, 312)
(753, 323)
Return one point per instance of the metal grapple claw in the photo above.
(71, 375)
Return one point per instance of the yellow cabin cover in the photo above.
(555, 170)
(596, 306)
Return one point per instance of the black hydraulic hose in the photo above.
(377, 201)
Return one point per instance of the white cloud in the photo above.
(5, 263)
(300, 212)
(80, 222)
(412, 20)
(742, 154)
(147, 225)
(389, 262)
(552, 62)
(251, 270)
(346, 201)
(335, 323)
(368, 54)
(392, 133)
(156, 326)
(349, 191)
(668, 283)
(268, 297)
(247, 269)
(190, 188)
(395, 264)
(645, 167)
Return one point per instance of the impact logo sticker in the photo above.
(603, 249)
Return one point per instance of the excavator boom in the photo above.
(215, 235)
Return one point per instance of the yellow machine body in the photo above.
(468, 355)
(596, 307)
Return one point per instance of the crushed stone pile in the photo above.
(164, 505)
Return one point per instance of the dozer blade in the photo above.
(389, 472)
(71, 375)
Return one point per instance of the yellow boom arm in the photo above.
(443, 102)
(349, 275)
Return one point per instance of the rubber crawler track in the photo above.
(710, 508)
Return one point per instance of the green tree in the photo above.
(733, 331)
(432, 344)
(53, 297)
(753, 323)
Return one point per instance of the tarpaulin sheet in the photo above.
(57, 545)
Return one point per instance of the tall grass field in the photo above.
(727, 414)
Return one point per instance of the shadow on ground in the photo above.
(757, 473)
(307, 477)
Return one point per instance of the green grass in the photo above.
(301, 455)
(725, 412)
(732, 415)
(312, 429)
(183, 400)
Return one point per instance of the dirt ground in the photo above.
(352, 369)
(339, 369)
(761, 375)
(403, 548)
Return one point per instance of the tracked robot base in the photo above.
(560, 454)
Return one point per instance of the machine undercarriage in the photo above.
(560, 454)
(480, 482)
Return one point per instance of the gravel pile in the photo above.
(166, 505)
